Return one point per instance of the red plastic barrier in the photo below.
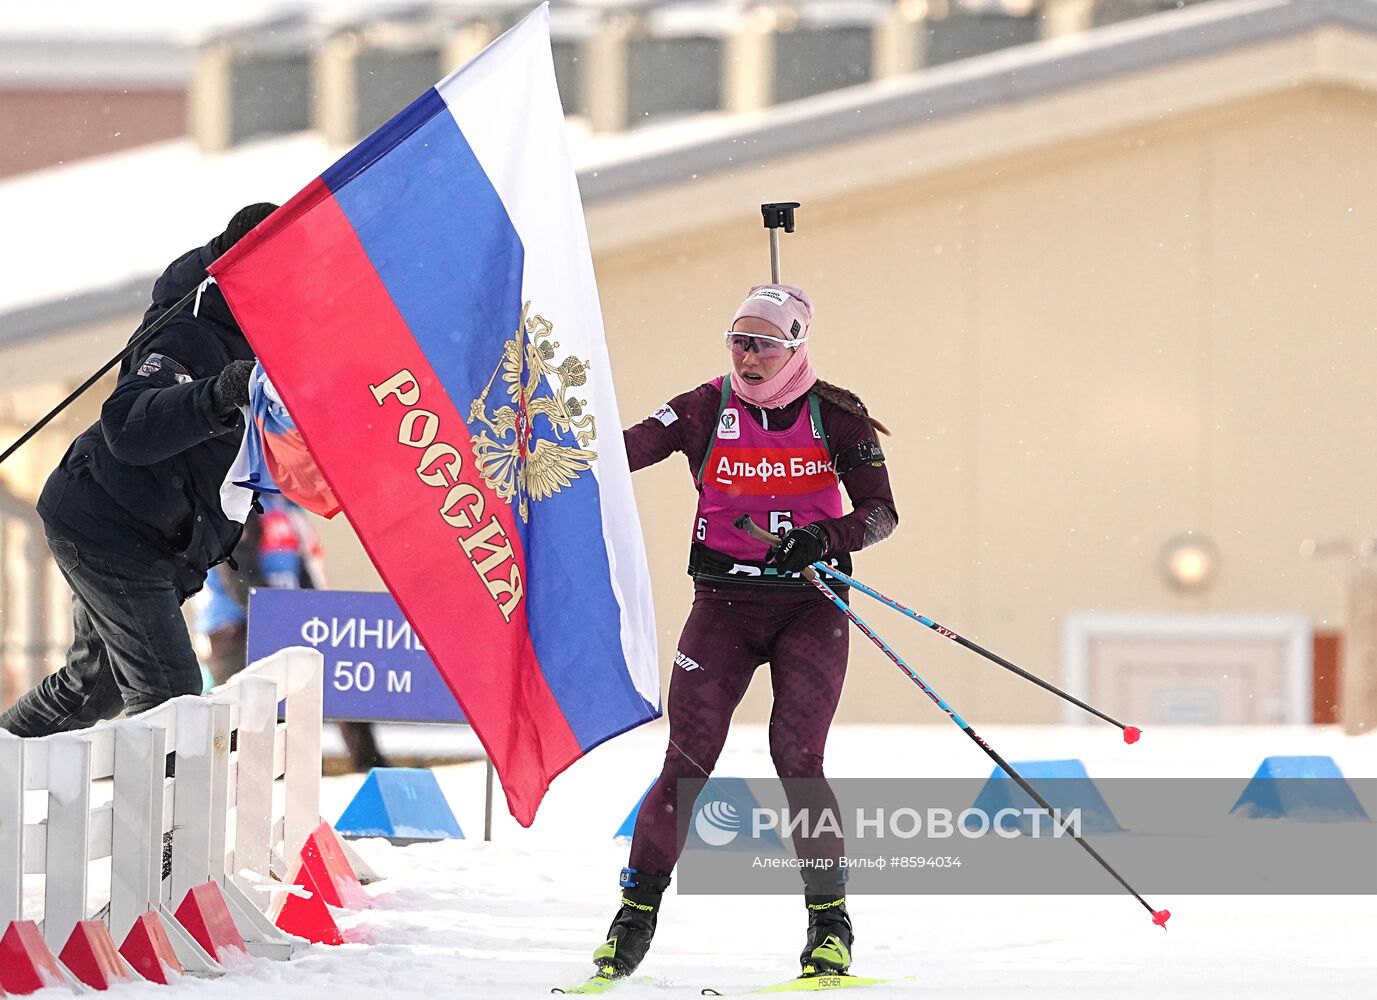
(147, 948)
(206, 917)
(90, 955)
(305, 915)
(323, 856)
(27, 964)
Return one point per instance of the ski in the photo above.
(802, 984)
(598, 984)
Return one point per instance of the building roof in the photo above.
(84, 241)
(33, 63)
(187, 23)
(1005, 77)
(150, 43)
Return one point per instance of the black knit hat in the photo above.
(240, 225)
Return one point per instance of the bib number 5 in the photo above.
(781, 521)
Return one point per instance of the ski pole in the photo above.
(1159, 917)
(1131, 733)
(133, 345)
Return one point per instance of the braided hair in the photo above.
(847, 400)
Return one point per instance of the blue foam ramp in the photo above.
(1311, 789)
(1063, 783)
(403, 804)
(722, 819)
(628, 827)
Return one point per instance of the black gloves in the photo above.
(799, 548)
(230, 390)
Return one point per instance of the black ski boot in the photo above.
(828, 951)
(628, 939)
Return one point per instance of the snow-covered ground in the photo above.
(513, 917)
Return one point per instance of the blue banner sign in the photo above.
(376, 669)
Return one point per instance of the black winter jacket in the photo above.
(145, 480)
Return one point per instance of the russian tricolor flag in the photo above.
(428, 314)
(273, 458)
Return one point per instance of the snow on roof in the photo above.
(92, 62)
(106, 221)
(111, 219)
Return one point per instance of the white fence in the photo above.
(232, 820)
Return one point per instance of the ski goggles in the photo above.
(767, 347)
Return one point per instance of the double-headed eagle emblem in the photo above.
(505, 457)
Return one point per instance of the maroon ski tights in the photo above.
(731, 631)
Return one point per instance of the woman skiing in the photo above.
(773, 442)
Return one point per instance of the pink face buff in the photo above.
(789, 383)
(789, 310)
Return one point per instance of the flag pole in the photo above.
(139, 339)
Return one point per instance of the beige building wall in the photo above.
(36, 375)
(1082, 354)
(35, 604)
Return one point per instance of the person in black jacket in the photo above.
(132, 513)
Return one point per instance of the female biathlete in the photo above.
(771, 441)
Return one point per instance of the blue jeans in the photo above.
(130, 651)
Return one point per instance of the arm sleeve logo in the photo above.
(157, 363)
